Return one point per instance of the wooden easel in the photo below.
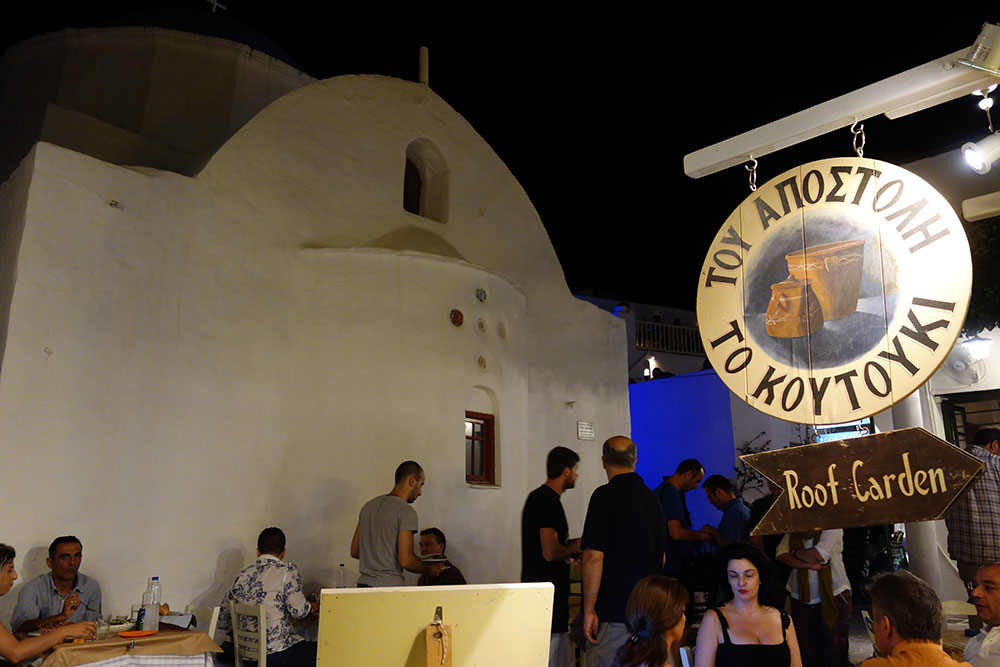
(440, 641)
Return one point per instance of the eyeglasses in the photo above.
(988, 587)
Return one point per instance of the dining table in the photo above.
(170, 647)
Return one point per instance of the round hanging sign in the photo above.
(834, 291)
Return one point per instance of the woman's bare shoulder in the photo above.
(773, 614)
(711, 618)
(710, 623)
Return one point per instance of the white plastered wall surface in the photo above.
(189, 360)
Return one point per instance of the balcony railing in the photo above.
(660, 337)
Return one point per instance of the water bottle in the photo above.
(151, 603)
(149, 615)
(157, 588)
(342, 577)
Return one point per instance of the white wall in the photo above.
(214, 355)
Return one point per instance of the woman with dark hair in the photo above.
(16, 651)
(654, 618)
(743, 632)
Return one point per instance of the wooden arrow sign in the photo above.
(898, 476)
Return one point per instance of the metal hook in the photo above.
(752, 168)
(859, 148)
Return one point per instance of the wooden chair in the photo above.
(207, 618)
(247, 644)
(869, 626)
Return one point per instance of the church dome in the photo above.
(209, 24)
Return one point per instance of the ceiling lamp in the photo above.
(985, 53)
(981, 155)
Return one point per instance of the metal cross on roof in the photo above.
(215, 4)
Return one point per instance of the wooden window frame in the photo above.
(488, 478)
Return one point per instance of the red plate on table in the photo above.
(131, 634)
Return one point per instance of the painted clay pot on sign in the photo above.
(834, 273)
(793, 310)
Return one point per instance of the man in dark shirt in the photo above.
(624, 537)
(546, 547)
(681, 540)
(433, 543)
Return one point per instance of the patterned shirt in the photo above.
(278, 586)
(974, 519)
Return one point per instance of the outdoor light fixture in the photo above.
(982, 154)
(987, 102)
(978, 347)
(985, 53)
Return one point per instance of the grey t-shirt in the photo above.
(382, 518)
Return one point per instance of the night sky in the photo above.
(593, 106)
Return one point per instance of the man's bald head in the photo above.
(619, 452)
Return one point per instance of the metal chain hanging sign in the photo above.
(834, 291)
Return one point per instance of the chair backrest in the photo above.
(207, 618)
(249, 644)
(870, 627)
(957, 608)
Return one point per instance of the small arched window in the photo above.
(481, 461)
(425, 181)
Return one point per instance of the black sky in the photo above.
(593, 106)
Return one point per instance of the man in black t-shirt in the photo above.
(546, 547)
(624, 538)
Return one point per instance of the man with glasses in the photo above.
(983, 650)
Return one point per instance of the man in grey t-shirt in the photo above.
(383, 539)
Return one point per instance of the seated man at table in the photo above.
(62, 595)
(983, 650)
(432, 543)
(277, 585)
(907, 623)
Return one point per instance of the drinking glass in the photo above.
(103, 626)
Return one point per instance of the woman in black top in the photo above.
(743, 632)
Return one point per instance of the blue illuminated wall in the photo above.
(685, 416)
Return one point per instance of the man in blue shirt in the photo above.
(735, 523)
(60, 596)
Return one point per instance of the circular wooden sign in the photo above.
(834, 291)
